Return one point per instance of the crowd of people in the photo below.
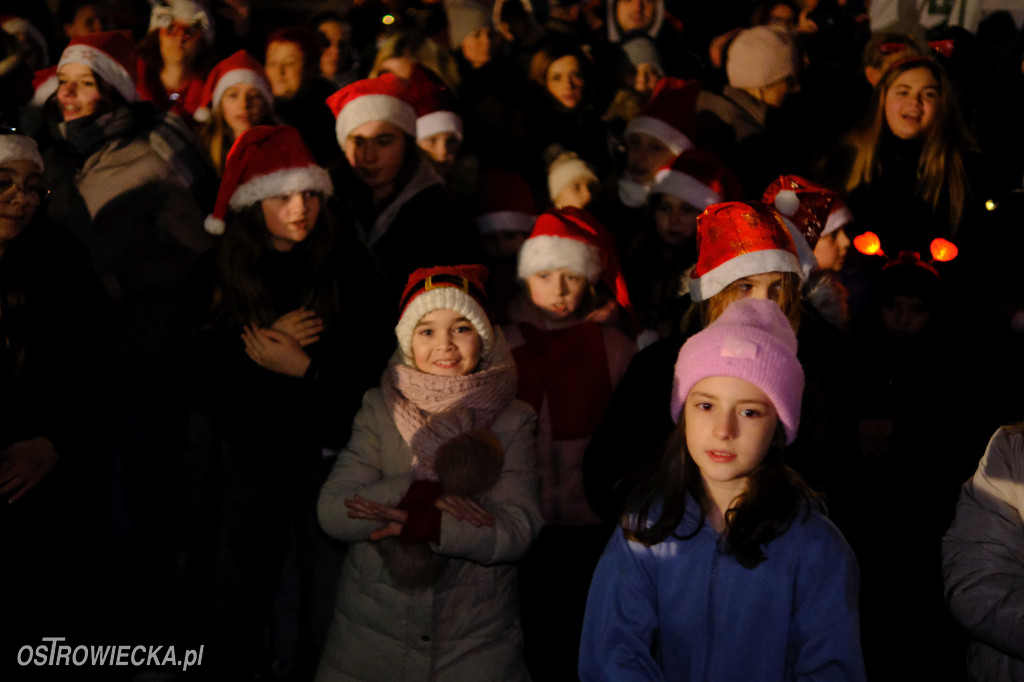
(423, 340)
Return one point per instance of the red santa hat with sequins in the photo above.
(506, 203)
(240, 67)
(384, 98)
(572, 238)
(670, 115)
(264, 162)
(110, 55)
(699, 178)
(736, 240)
(434, 104)
(810, 212)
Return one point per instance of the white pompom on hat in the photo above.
(264, 162)
(110, 55)
(810, 212)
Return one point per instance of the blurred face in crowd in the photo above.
(558, 293)
(565, 81)
(647, 76)
(180, 43)
(88, 19)
(645, 154)
(78, 92)
(830, 251)
(911, 103)
(674, 219)
(242, 106)
(401, 66)
(782, 15)
(478, 47)
(577, 193)
(334, 58)
(285, 67)
(20, 194)
(904, 316)
(375, 151)
(290, 218)
(635, 15)
(442, 148)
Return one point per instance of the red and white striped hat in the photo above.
(110, 55)
(384, 98)
(264, 162)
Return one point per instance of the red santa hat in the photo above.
(264, 162)
(44, 85)
(736, 240)
(699, 178)
(238, 68)
(434, 104)
(670, 115)
(572, 238)
(506, 203)
(110, 55)
(451, 287)
(810, 212)
(384, 98)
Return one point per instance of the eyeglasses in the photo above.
(33, 193)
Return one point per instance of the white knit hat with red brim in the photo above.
(264, 162)
(670, 115)
(384, 98)
(737, 240)
(110, 55)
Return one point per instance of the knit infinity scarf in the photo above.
(430, 410)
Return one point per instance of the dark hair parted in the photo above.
(774, 497)
(242, 296)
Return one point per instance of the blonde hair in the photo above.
(940, 168)
(423, 51)
(789, 300)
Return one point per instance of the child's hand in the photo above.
(302, 325)
(275, 350)
(368, 510)
(23, 465)
(465, 509)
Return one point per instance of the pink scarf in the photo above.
(429, 409)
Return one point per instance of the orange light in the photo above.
(869, 244)
(943, 250)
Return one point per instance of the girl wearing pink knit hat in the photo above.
(726, 559)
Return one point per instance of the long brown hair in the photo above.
(940, 168)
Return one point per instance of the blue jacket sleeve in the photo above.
(621, 616)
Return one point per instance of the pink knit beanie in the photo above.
(752, 340)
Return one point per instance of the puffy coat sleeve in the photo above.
(514, 500)
(824, 639)
(363, 469)
(983, 550)
(621, 616)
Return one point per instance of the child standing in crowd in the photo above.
(726, 568)
(277, 386)
(570, 355)
(452, 373)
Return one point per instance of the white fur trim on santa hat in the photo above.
(505, 221)
(375, 108)
(685, 187)
(20, 148)
(236, 76)
(283, 182)
(547, 252)
(744, 265)
(669, 136)
(839, 217)
(103, 65)
(564, 173)
(438, 122)
(443, 298)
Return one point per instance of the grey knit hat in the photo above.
(761, 56)
(464, 17)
